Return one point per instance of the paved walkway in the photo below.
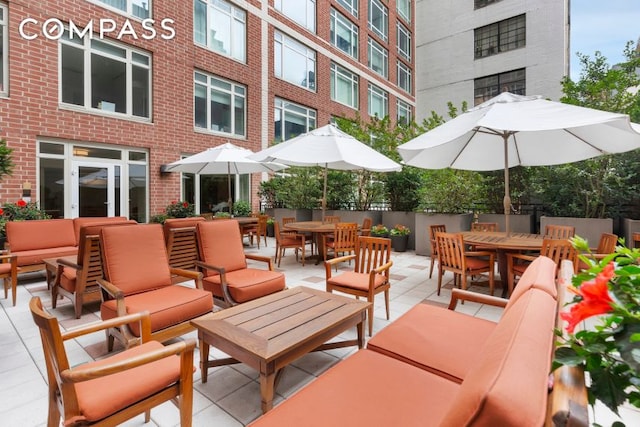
(231, 397)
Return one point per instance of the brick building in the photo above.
(97, 95)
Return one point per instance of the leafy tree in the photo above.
(6, 162)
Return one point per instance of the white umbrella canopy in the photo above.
(330, 148)
(513, 130)
(224, 159)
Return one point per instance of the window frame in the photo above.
(403, 106)
(338, 72)
(4, 59)
(233, 93)
(282, 41)
(285, 6)
(403, 69)
(375, 47)
(400, 10)
(310, 116)
(129, 8)
(403, 51)
(504, 81)
(88, 50)
(350, 6)
(383, 33)
(372, 91)
(339, 19)
(499, 37)
(237, 18)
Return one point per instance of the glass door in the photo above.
(94, 187)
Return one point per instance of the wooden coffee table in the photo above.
(270, 332)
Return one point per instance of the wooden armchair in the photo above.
(182, 248)
(453, 257)
(224, 264)
(78, 280)
(370, 275)
(606, 246)
(556, 249)
(433, 229)
(138, 278)
(112, 390)
(9, 274)
(288, 240)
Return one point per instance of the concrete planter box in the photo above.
(587, 228)
(519, 223)
(629, 226)
(298, 214)
(453, 222)
(350, 216)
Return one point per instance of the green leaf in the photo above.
(568, 356)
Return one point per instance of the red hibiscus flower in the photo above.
(595, 299)
(185, 204)
(21, 203)
(1, 211)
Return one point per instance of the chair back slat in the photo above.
(607, 243)
(433, 229)
(346, 234)
(371, 253)
(331, 219)
(484, 226)
(366, 227)
(558, 250)
(450, 248)
(552, 231)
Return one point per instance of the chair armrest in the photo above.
(260, 258)
(383, 268)
(511, 256)
(142, 317)
(13, 259)
(461, 295)
(80, 374)
(478, 253)
(190, 274)
(201, 264)
(66, 263)
(329, 263)
(115, 293)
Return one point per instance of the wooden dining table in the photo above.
(503, 243)
(317, 228)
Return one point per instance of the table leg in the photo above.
(502, 270)
(360, 329)
(267, 386)
(204, 357)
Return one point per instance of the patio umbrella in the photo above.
(511, 130)
(330, 148)
(226, 158)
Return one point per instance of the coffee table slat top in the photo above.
(271, 325)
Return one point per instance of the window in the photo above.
(294, 62)
(378, 101)
(404, 9)
(221, 27)
(378, 58)
(301, 11)
(350, 5)
(344, 86)
(378, 19)
(477, 4)
(404, 42)
(105, 76)
(137, 8)
(220, 105)
(292, 120)
(403, 112)
(487, 87)
(500, 37)
(404, 77)
(344, 34)
(4, 54)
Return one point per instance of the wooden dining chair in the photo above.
(453, 257)
(556, 249)
(370, 276)
(344, 239)
(433, 229)
(309, 238)
(115, 389)
(635, 240)
(366, 227)
(331, 219)
(484, 226)
(552, 231)
(606, 246)
(9, 274)
(261, 229)
(287, 240)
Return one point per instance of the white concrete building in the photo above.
(471, 50)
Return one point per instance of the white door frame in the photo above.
(75, 185)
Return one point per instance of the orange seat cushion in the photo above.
(68, 279)
(475, 263)
(167, 306)
(104, 396)
(367, 389)
(246, 284)
(5, 268)
(353, 280)
(422, 337)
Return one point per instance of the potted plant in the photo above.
(18, 211)
(221, 214)
(180, 209)
(270, 227)
(399, 237)
(379, 231)
(242, 208)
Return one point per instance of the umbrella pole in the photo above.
(230, 202)
(324, 192)
(507, 198)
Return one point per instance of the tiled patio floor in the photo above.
(231, 397)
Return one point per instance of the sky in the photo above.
(602, 25)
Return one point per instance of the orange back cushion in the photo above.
(40, 234)
(80, 222)
(94, 230)
(220, 244)
(134, 258)
(507, 383)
